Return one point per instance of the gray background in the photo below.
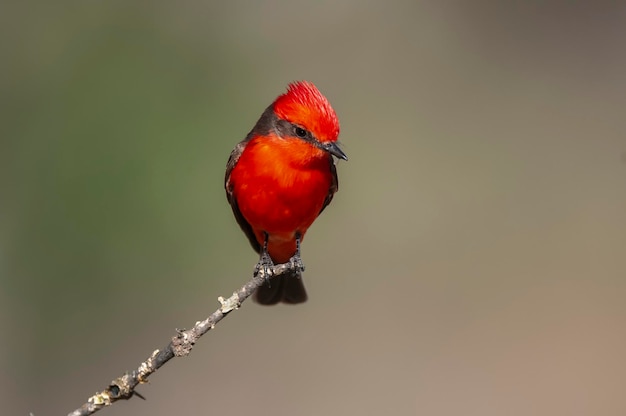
(472, 262)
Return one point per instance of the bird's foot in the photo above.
(296, 264)
(265, 267)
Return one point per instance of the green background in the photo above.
(473, 261)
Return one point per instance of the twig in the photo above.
(123, 388)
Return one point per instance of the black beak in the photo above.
(333, 149)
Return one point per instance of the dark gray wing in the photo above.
(334, 185)
(245, 226)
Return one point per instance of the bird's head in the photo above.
(311, 116)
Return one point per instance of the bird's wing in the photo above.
(334, 185)
(245, 226)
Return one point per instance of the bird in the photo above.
(279, 178)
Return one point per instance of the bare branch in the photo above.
(123, 388)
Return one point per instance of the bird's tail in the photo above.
(286, 288)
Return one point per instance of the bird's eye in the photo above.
(300, 132)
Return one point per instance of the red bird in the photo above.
(280, 178)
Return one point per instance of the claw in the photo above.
(296, 264)
(265, 266)
(295, 260)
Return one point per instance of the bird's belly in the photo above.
(280, 207)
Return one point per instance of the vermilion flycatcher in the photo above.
(280, 178)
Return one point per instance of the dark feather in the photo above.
(334, 186)
(245, 226)
(286, 288)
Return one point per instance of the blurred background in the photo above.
(473, 261)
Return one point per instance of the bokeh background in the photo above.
(472, 263)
